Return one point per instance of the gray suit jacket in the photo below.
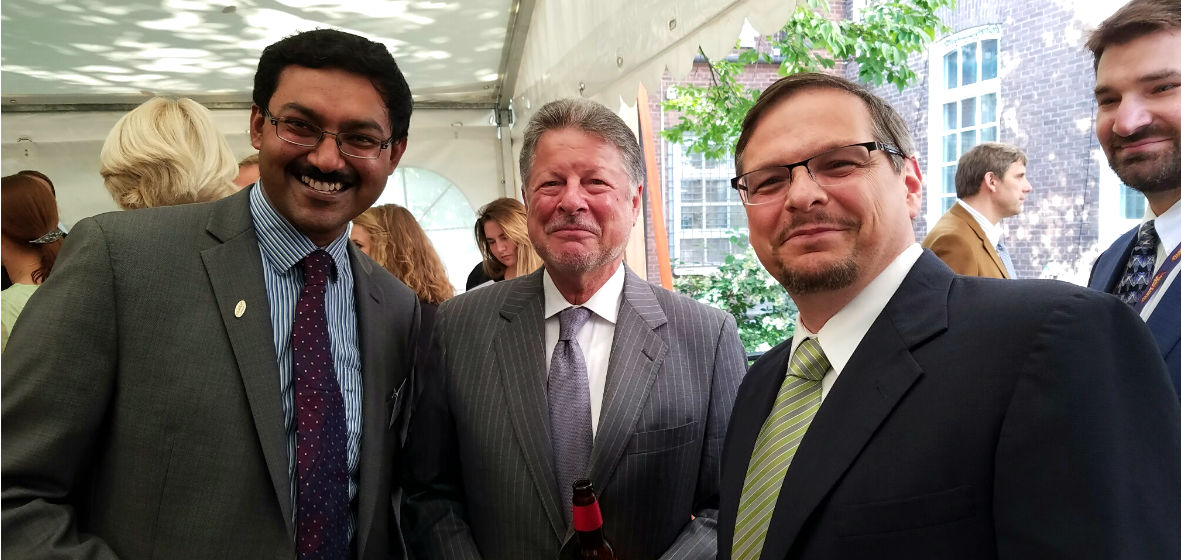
(142, 417)
(482, 483)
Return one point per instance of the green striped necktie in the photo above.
(795, 406)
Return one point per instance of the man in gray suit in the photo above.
(222, 380)
(579, 369)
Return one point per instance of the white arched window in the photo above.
(443, 212)
(965, 107)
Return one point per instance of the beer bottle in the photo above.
(588, 524)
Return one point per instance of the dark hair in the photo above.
(329, 48)
(1136, 19)
(28, 212)
(39, 175)
(984, 158)
(888, 127)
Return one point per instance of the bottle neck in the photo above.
(588, 518)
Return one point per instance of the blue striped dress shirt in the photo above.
(282, 247)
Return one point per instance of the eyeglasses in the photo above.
(832, 168)
(307, 135)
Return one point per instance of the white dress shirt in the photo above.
(842, 334)
(1168, 230)
(595, 337)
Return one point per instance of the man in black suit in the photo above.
(917, 413)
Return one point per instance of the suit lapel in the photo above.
(235, 271)
(377, 384)
(1108, 271)
(875, 380)
(637, 352)
(972, 224)
(519, 350)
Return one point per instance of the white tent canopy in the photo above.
(478, 68)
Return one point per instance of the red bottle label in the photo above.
(587, 518)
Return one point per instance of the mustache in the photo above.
(344, 176)
(1151, 131)
(571, 221)
(791, 226)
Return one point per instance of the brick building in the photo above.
(1006, 70)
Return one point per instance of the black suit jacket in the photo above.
(1165, 320)
(978, 418)
(142, 415)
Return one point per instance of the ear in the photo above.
(257, 122)
(913, 179)
(637, 202)
(990, 181)
(397, 149)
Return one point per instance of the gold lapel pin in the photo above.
(240, 309)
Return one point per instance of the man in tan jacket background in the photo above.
(991, 185)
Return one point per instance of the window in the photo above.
(703, 210)
(443, 212)
(1120, 208)
(965, 107)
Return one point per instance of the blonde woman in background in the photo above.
(29, 242)
(503, 237)
(390, 235)
(165, 152)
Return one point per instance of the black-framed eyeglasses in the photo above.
(307, 135)
(830, 168)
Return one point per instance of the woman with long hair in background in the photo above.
(30, 242)
(390, 235)
(502, 234)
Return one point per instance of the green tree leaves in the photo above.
(742, 288)
(879, 43)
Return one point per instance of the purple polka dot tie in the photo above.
(321, 468)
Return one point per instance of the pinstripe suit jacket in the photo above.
(142, 416)
(481, 482)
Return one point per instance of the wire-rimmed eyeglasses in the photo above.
(307, 135)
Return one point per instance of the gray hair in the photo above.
(589, 117)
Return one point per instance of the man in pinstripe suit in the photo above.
(661, 372)
(150, 389)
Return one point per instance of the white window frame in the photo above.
(937, 96)
(1112, 219)
(678, 171)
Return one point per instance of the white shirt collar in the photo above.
(604, 303)
(842, 334)
(991, 231)
(1168, 225)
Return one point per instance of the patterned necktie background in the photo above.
(321, 466)
(795, 406)
(568, 391)
(1006, 259)
(1142, 260)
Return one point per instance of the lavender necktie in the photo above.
(321, 467)
(1003, 253)
(569, 406)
